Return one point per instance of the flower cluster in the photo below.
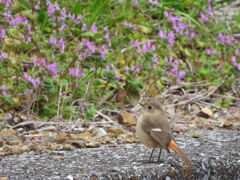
(168, 35)
(143, 47)
(179, 26)
(172, 68)
(35, 82)
(234, 62)
(75, 72)
(52, 67)
(225, 39)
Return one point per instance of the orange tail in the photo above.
(172, 145)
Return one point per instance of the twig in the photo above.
(26, 123)
(224, 96)
(107, 118)
(59, 100)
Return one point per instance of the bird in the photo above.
(153, 130)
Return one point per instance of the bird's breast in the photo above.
(142, 135)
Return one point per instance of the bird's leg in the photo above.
(149, 160)
(159, 155)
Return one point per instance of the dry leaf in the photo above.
(127, 118)
(115, 131)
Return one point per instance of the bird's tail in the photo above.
(172, 145)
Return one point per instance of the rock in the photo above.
(215, 157)
(226, 124)
(180, 127)
(9, 135)
(93, 144)
(101, 132)
(127, 147)
(196, 134)
(77, 143)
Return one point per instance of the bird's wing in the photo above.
(153, 129)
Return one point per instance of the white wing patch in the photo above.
(157, 130)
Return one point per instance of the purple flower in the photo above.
(107, 68)
(61, 45)
(136, 68)
(155, 59)
(154, 2)
(63, 13)
(126, 68)
(93, 28)
(4, 89)
(71, 16)
(234, 62)
(153, 47)
(135, 2)
(36, 6)
(2, 32)
(211, 51)
(63, 26)
(237, 51)
(90, 45)
(30, 91)
(35, 82)
(203, 18)
(181, 74)
(225, 39)
(6, 2)
(117, 76)
(101, 50)
(17, 20)
(2, 55)
(75, 72)
(171, 38)
(53, 68)
(172, 68)
(144, 47)
(7, 15)
(41, 63)
(84, 27)
(78, 19)
(162, 34)
(192, 35)
(53, 41)
(51, 9)
(56, 5)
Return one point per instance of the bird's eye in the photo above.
(150, 107)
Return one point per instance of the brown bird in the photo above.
(154, 131)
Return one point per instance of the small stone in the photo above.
(69, 177)
(78, 143)
(227, 124)
(93, 144)
(196, 134)
(127, 147)
(101, 132)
